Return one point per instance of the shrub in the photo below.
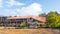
(23, 25)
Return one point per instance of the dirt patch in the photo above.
(29, 31)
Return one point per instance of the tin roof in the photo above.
(39, 18)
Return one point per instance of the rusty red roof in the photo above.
(39, 18)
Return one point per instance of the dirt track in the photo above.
(29, 31)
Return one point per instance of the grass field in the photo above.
(29, 31)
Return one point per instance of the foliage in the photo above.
(22, 25)
(38, 25)
(53, 19)
(43, 15)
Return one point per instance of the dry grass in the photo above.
(29, 31)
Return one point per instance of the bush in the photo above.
(22, 25)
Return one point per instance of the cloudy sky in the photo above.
(28, 7)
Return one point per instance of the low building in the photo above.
(30, 21)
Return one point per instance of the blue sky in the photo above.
(28, 7)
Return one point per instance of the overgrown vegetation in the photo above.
(53, 19)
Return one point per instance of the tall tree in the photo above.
(53, 19)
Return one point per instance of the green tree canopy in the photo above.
(53, 19)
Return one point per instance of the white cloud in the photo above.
(1, 2)
(18, 10)
(13, 2)
(18, 3)
(10, 3)
(32, 9)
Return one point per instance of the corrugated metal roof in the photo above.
(39, 18)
